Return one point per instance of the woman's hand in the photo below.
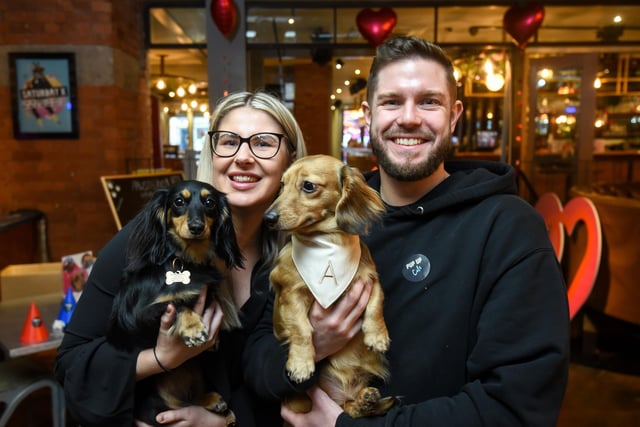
(190, 416)
(333, 327)
(170, 350)
(324, 411)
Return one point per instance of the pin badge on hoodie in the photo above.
(416, 268)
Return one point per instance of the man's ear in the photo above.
(367, 112)
(456, 113)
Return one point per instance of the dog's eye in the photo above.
(179, 202)
(309, 187)
(209, 203)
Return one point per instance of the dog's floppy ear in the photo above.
(148, 242)
(225, 236)
(359, 205)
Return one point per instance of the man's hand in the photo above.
(334, 327)
(324, 411)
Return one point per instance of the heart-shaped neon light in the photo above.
(558, 219)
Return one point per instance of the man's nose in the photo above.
(409, 115)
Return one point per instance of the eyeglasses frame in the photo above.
(243, 140)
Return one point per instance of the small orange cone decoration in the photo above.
(34, 330)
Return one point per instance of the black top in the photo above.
(99, 381)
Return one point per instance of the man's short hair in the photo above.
(405, 47)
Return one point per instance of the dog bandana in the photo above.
(326, 268)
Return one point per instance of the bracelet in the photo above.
(158, 361)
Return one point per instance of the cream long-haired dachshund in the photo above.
(325, 205)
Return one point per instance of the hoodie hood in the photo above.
(469, 182)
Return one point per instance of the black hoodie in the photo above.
(475, 303)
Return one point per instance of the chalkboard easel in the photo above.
(127, 194)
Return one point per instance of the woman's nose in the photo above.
(244, 154)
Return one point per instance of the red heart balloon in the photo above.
(560, 220)
(225, 16)
(522, 22)
(376, 26)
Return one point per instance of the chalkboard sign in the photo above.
(127, 194)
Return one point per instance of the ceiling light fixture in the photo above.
(169, 86)
(339, 64)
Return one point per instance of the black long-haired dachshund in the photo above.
(181, 241)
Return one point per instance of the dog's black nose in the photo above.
(271, 218)
(196, 228)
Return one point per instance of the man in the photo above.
(475, 300)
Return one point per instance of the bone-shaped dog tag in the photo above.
(172, 277)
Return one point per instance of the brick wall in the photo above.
(61, 177)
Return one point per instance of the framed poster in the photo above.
(43, 95)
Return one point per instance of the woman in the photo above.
(99, 381)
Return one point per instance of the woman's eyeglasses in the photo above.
(263, 145)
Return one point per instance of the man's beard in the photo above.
(405, 171)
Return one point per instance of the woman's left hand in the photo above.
(324, 411)
(190, 416)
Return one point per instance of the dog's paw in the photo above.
(300, 369)
(195, 334)
(377, 341)
(191, 329)
(369, 402)
(215, 403)
(220, 408)
(369, 397)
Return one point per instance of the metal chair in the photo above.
(21, 377)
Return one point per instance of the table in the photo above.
(13, 314)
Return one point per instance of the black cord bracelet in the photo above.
(158, 361)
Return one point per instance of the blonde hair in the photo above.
(272, 240)
(262, 101)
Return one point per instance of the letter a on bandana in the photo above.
(326, 268)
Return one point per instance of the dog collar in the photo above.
(326, 268)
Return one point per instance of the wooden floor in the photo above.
(600, 398)
(604, 377)
(603, 390)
